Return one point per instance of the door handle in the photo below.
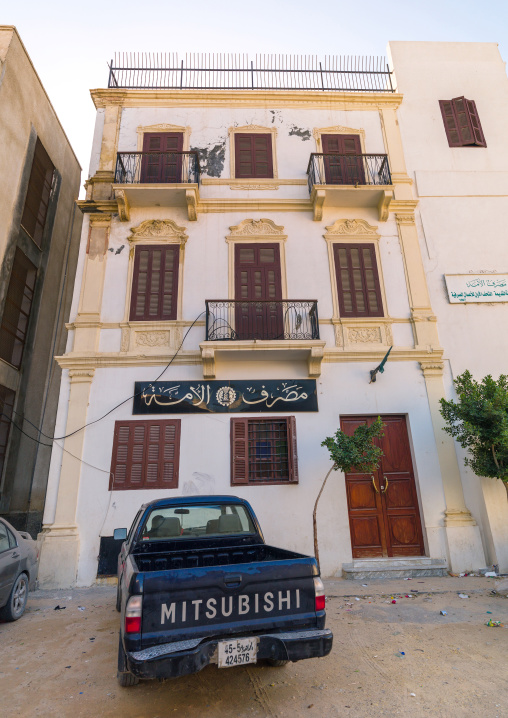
(233, 580)
(15, 555)
(374, 484)
(385, 489)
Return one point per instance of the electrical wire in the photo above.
(95, 421)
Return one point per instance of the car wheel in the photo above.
(275, 663)
(15, 606)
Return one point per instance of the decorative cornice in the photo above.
(256, 227)
(432, 368)
(102, 219)
(351, 227)
(162, 127)
(160, 229)
(252, 128)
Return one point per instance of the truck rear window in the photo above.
(187, 521)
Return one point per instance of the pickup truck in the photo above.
(197, 585)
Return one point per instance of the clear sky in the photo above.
(70, 43)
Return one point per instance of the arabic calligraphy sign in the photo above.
(201, 397)
(464, 288)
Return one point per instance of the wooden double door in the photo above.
(343, 159)
(384, 517)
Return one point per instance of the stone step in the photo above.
(404, 567)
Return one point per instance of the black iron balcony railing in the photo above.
(156, 167)
(348, 169)
(253, 319)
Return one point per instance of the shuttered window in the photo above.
(18, 304)
(7, 397)
(263, 451)
(462, 124)
(358, 286)
(253, 155)
(146, 455)
(38, 194)
(155, 283)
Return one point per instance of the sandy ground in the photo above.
(388, 659)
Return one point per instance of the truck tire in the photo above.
(15, 606)
(275, 663)
(123, 676)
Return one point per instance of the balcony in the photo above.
(157, 179)
(269, 328)
(349, 181)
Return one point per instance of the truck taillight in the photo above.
(133, 614)
(319, 593)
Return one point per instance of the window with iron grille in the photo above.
(358, 286)
(155, 283)
(7, 397)
(146, 455)
(461, 122)
(18, 304)
(263, 451)
(38, 194)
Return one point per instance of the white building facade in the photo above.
(226, 321)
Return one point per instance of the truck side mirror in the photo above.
(120, 534)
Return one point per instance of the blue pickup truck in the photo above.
(197, 585)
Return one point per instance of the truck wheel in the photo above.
(123, 676)
(275, 663)
(15, 606)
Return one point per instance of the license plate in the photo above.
(237, 652)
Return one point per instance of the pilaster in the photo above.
(465, 549)
(60, 540)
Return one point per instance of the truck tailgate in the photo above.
(227, 600)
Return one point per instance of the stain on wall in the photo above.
(211, 159)
(299, 132)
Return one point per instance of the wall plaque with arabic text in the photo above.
(226, 397)
(477, 288)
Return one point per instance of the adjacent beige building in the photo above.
(39, 238)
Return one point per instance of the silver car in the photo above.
(18, 570)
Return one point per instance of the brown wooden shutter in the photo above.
(160, 168)
(253, 155)
(239, 452)
(7, 397)
(292, 450)
(479, 137)
(18, 305)
(155, 283)
(38, 194)
(358, 286)
(450, 123)
(145, 455)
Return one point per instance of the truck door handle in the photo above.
(233, 580)
(15, 555)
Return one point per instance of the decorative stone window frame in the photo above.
(164, 127)
(251, 231)
(352, 331)
(154, 336)
(337, 130)
(253, 129)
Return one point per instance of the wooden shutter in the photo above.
(358, 286)
(7, 397)
(253, 155)
(145, 455)
(239, 452)
(18, 305)
(462, 123)
(38, 194)
(155, 283)
(157, 167)
(292, 450)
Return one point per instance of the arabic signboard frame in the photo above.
(225, 397)
(476, 288)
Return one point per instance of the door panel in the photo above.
(343, 169)
(386, 499)
(162, 168)
(258, 280)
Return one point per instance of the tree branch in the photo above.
(314, 520)
(495, 459)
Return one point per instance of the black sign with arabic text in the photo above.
(201, 397)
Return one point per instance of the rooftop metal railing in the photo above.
(224, 71)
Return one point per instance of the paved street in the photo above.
(388, 659)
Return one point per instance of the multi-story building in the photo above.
(249, 254)
(39, 241)
(452, 126)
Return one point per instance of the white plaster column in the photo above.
(465, 549)
(60, 540)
